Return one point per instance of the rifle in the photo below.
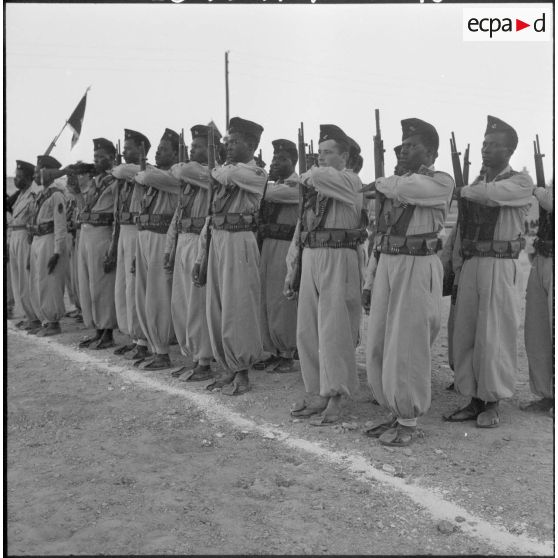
(118, 153)
(143, 158)
(378, 165)
(301, 170)
(182, 149)
(456, 163)
(539, 169)
(211, 162)
(466, 165)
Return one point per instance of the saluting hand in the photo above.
(51, 264)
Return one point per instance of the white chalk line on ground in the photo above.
(354, 462)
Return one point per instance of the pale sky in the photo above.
(158, 66)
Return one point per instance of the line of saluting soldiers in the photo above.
(171, 251)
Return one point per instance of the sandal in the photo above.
(378, 429)
(235, 388)
(221, 381)
(399, 437)
(304, 409)
(470, 412)
(198, 374)
(324, 419)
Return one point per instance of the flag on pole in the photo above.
(76, 119)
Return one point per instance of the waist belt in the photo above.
(96, 219)
(278, 231)
(127, 218)
(492, 248)
(408, 245)
(41, 229)
(18, 227)
(158, 223)
(544, 247)
(333, 238)
(233, 222)
(191, 225)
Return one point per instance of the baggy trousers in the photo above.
(96, 288)
(153, 291)
(125, 284)
(405, 316)
(233, 299)
(19, 255)
(328, 320)
(538, 326)
(486, 326)
(278, 314)
(46, 289)
(188, 303)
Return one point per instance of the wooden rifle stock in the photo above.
(456, 163)
(301, 169)
(143, 158)
(378, 167)
(539, 168)
(118, 153)
(466, 165)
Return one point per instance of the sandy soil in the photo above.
(99, 465)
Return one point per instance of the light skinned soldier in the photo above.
(491, 214)
(329, 299)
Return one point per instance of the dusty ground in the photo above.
(99, 465)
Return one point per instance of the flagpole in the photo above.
(53, 142)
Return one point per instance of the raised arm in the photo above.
(514, 191)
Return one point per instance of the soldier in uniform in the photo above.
(233, 282)
(125, 234)
(22, 214)
(278, 217)
(405, 309)
(188, 302)
(491, 214)
(96, 264)
(48, 249)
(329, 298)
(538, 308)
(153, 282)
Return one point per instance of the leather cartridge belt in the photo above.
(233, 222)
(157, 222)
(544, 247)
(409, 245)
(18, 227)
(41, 229)
(127, 218)
(333, 238)
(492, 248)
(191, 225)
(277, 231)
(96, 219)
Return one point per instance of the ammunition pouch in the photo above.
(544, 247)
(277, 231)
(333, 238)
(192, 225)
(233, 222)
(127, 218)
(41, 229)
(508, 249)
(96, 219)
(408, 245)
(158, 222)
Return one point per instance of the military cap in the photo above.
(202, 131)
(47, 162)
(287, 146)
(416, 126)
(354, 147)
(333, 132)
(247, 127)
(138, 137)
(105, 144)
(494, 125)
(27, 168)
(172, 136)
